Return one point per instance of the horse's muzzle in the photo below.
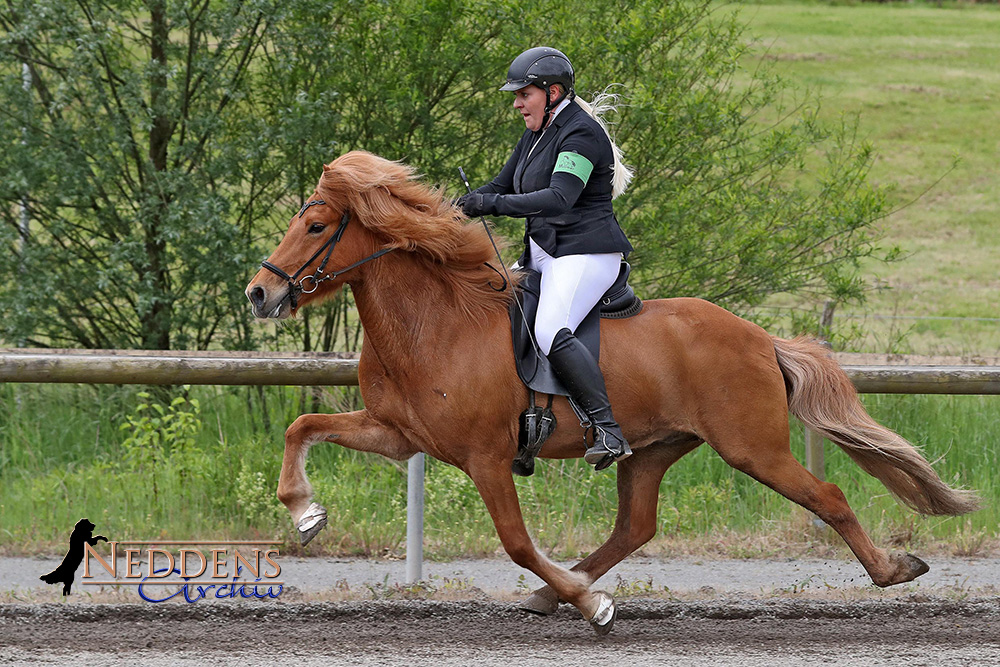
(269, 304)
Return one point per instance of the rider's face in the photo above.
(530, 103)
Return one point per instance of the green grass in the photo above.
(64, 457)
(926, 85)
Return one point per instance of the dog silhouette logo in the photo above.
(83, 533)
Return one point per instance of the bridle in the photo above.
(318, 276)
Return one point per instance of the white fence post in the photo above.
(415, 519)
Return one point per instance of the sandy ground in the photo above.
(487, 633)
(671, 612)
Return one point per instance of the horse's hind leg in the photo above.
(765, 456)
(639, 479)
(355, 430)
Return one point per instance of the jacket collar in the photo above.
(552, 130)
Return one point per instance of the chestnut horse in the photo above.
(437, 376)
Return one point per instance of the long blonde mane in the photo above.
(387, 198)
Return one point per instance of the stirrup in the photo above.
(602, 454)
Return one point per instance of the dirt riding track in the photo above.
(915, 631)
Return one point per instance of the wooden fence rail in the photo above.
(317, 369)
(168, 368)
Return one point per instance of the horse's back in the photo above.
(692, 327)
(686, 359)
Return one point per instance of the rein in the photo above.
(318, 276)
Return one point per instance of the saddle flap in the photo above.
(532, 366)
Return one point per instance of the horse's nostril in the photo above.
(257, 296)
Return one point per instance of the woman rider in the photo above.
(561, 177)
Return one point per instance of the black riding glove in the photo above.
(476, 204)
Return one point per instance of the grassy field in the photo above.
(926, 84)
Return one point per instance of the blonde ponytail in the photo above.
(602, 103)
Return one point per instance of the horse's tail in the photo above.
(821, 395)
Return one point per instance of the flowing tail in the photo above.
(821, 395)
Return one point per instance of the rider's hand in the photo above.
(476, 204)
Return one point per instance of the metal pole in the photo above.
(815, 463)
(814, 454)
(415, 519)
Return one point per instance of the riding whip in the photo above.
(506, 276)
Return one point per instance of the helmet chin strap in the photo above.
(551, 104)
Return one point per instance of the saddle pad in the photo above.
(532, 366)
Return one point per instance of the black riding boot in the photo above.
(578, 371)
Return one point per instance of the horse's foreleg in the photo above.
(496, 486)
(639, 479)
(355, 430)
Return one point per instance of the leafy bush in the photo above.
(147, 215)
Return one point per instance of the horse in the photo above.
(437, 375)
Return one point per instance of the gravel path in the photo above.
(703, 613)
(502, 578)
(492, 634)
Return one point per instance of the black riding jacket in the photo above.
(566, 199)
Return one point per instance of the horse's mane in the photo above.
(386, 197)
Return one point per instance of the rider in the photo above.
(562, 176)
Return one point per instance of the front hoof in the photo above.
(543, 602)
(607, 612)
(310, 523)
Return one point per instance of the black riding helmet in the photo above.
(541, 66)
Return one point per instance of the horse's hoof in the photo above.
(917, 566)
(543, 602)
(313, 521)
(905, 567)
(607, 612)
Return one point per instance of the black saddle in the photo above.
(533, 368)
(537, 423)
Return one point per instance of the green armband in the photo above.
(574, 163)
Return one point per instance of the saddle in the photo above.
(537, 423)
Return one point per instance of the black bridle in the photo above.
(318, 276)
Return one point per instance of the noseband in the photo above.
(318, 276)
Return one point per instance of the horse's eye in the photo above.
(316, 228)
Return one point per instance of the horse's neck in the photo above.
(407, 314)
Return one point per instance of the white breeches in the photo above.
(571, 286)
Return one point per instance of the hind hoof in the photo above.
(313, 521)
(604, 618)
(916, 566)
(542, 602)
(906, 567)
